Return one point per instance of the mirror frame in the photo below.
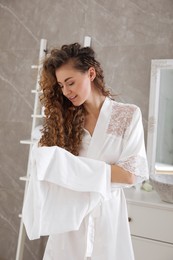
(156, 67)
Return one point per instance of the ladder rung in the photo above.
(35, 66)
(37, 116)
(34, 91)
(24, 178)
(27, 142)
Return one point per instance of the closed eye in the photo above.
(71, 84)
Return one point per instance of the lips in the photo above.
(72, 98)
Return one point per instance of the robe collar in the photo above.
(99, 133)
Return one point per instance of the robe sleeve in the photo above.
(62, 190)
(133, 156)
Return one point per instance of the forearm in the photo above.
(119, 175)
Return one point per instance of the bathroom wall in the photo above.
(126, 35)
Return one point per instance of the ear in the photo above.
(92, 73)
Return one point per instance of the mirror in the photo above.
(160, 119)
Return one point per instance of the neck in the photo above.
(94, 104)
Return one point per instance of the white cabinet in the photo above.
(146, 249)
(151, 225)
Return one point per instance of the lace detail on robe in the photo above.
(121, 117)
(135, 164)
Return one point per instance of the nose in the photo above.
(66, 91)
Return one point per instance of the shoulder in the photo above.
(127, 107)
(121, 117)
(124, 109)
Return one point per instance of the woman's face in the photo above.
(76, 86)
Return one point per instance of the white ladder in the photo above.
(37, 114)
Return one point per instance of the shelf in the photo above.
(141, 197)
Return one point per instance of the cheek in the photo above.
(86, 87)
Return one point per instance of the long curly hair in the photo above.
(64, 123)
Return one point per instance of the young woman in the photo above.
(90, 149)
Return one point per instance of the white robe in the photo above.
(71, 198)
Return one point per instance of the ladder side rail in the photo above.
(22, 233)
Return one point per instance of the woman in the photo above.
(91, 147)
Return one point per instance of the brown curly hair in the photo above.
(64, 123)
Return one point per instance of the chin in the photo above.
(77, 104)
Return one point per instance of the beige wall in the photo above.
(126, 35)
